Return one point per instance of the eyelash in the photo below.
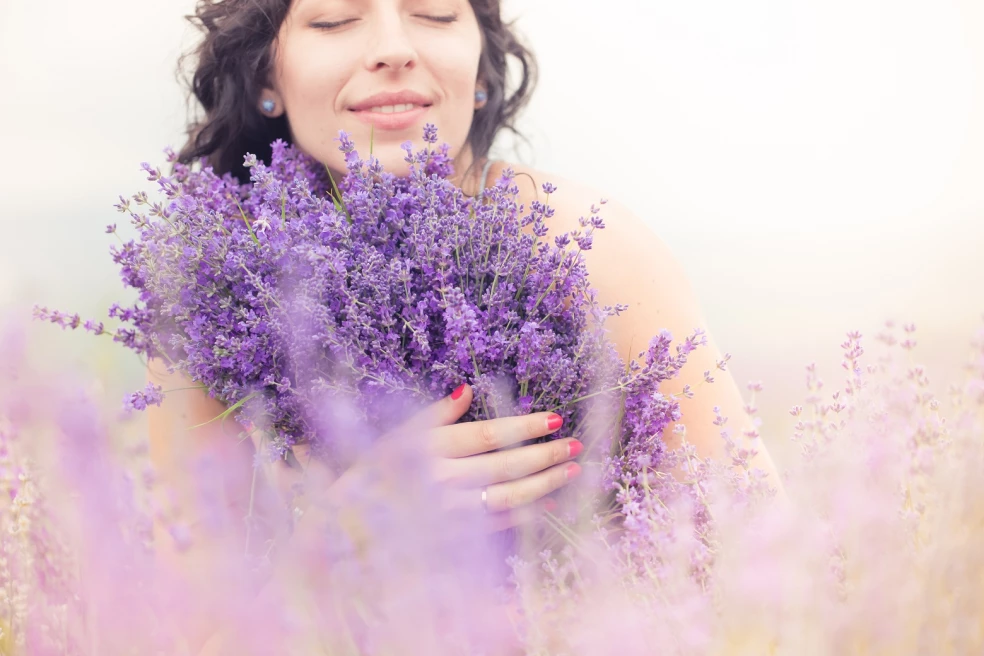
(443, 19)
(329, 26)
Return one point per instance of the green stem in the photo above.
(182, 389)
(229, 411)
(249, 512)
(245, 220)
(582, 398)
(337, 196)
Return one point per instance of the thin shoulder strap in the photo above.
(485, 175)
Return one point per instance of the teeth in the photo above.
(392, 109)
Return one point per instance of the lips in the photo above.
(404, 97)
(393, 121)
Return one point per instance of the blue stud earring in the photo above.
(268, 106)
(481, 96)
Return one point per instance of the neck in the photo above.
(467, 171)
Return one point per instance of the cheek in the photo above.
(314, 74)
(455, 66)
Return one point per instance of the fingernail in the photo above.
(554, 421)
(456, 394)
(550, 505)
(573, 470)
(575, 447)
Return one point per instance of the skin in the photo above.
(318, 75)
(389, 45)
(630, 264)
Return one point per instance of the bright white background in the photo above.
(817, 165)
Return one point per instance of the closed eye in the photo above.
(333, 25)
(442, 19)
(328, 26)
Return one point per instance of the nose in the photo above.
(389, 45)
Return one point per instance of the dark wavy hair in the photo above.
(233, 64)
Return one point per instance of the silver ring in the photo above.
(485, 499)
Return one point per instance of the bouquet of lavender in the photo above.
(283, 293)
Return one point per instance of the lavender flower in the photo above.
(279, 294)
(151, 395)
(875, 550)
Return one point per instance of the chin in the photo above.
(393, 160)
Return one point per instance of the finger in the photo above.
(506, 465)
(465, 517)
(474, 437)
(516, 494)
(506, 519)
(302, 454)
(316, 477)
(440, 413)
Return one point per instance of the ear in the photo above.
(481, 86)
(270, 104)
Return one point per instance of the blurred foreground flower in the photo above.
(875, 548)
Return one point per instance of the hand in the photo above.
(450, 463)
(462, 459)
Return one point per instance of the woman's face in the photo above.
(332, 56)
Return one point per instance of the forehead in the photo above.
(319, 4)
(300, 5)
(305, 5)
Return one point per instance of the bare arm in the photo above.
(629, 264)
(204, 476)
(638, 269)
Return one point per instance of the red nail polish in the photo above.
(573, 470)
(550, 505)
(554, 421)
(576, 447)
(456, 394)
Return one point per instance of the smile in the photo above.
(393, 117)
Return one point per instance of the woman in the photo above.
(302, 70)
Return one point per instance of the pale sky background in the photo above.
(817, 165)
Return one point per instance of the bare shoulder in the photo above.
(628, 239)
(573, 199)
(628, 263)
(573, 196)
